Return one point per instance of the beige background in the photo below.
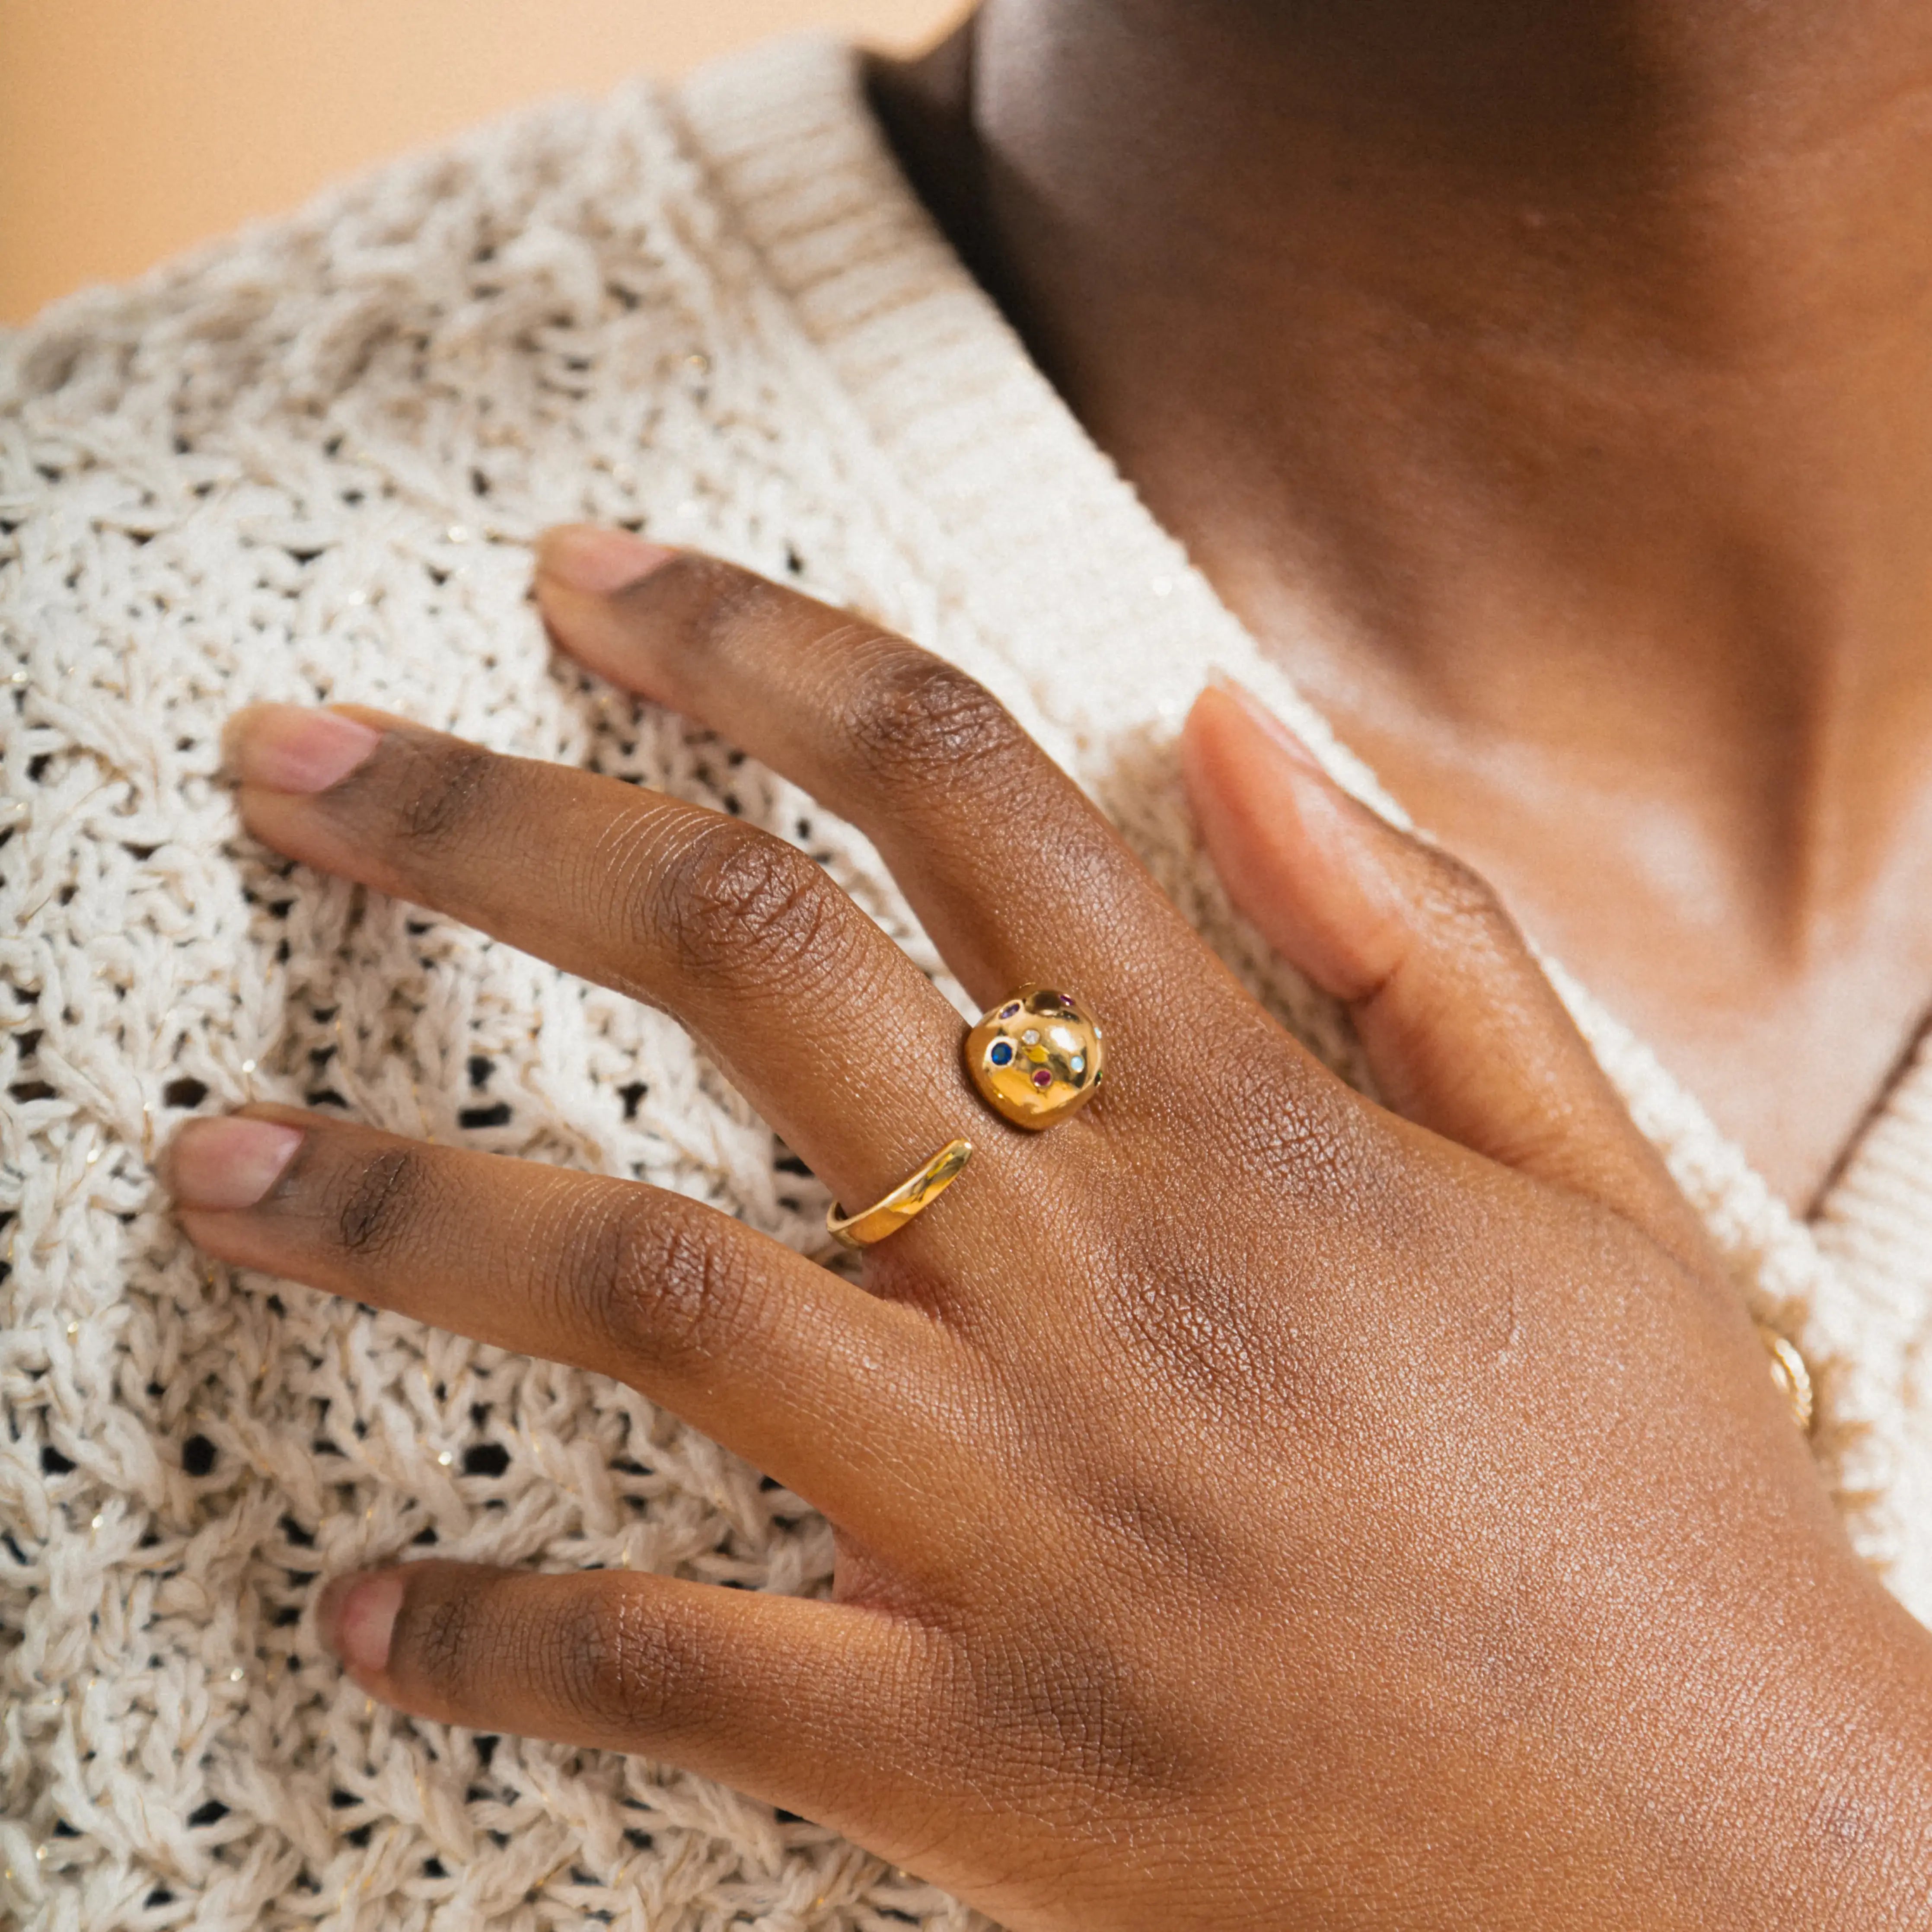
(130, 128)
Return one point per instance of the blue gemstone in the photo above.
(1002, 1054)
(1010, 1012)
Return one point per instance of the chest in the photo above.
(1791, 1025)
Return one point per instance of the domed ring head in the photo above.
(1036, 1057)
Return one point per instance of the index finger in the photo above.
(1010, 868)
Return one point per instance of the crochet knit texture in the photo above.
(306, 464)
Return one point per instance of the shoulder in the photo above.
(560, 316)
(562, 217)
(305, 460)
(532, 220)
(304, 464)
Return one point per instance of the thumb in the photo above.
(1464, 1034)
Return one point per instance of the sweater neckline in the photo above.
(1083, 579)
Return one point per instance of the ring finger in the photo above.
(789, 1364)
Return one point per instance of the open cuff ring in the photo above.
(897, 1208)
(1035, 1058)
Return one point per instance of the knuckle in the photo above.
(610, 1663)
(1457, 894)
(664, 1291)
(613, 1661)
(716, 604)
(1071, 1714)
(441, 1639)
(912, 717)
(738, 905)
(376, 1200)
(1195, 1336)
(428, 789)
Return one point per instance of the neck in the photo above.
(1551, 381)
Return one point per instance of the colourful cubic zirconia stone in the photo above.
(1036, 1057)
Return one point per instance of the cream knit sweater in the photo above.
(305, 464)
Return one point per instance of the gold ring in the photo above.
(1788, 1372)
(897, 1208)
(1036, 1057)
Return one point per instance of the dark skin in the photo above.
(1255, 1508)
(1352, 1516)
(1550, 383)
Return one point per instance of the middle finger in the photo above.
(844, 1046)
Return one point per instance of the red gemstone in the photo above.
(1042, 1077)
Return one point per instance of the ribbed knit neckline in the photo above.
(1082, 576)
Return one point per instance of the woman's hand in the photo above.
(1254, 1507)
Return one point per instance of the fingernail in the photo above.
(1284, 740)
(357, 1616)
(295, 748)
(231, 1162)
(597, 560)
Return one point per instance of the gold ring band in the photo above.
(1788, 1371)
(897, 1208)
